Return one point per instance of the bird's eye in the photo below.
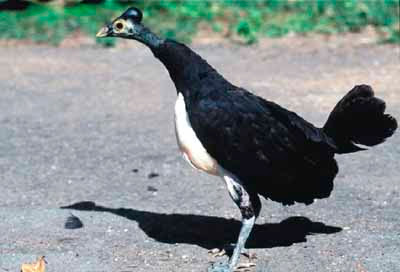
(119, 26)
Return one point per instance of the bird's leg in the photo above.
(249, 212)
(247, 225)
(229, 248)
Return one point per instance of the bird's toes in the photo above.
(217, 252)
(219, 267)
(244, 267)
(250, 256)
(247, 254)
(228, 249)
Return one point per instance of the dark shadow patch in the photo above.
(210, 231)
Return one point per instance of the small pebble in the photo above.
(152, 189)
(73, 222)
(135, 170)
(153, 175)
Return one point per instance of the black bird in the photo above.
(255, 145)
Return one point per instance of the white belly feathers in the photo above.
(191, 147)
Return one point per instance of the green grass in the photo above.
(247, 20)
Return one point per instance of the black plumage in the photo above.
(273, 151)
(266, 149)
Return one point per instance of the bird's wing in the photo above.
(252, 137)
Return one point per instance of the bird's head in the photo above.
(129, 26)
(125, 26)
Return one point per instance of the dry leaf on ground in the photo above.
(39, 266)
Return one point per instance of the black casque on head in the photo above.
(128, 26)
(133, 14)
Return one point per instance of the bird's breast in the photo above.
(189, 144)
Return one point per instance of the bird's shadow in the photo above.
(210, 231)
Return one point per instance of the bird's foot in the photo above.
(227, 250)
(244, 267)
(217, 252)
(224, 267)
(219, 267)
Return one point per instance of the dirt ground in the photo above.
(91, 129)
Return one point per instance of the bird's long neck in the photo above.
(191, 74)
(145, 36)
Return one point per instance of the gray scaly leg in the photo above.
(249, 212)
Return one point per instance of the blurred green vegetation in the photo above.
(51, 21)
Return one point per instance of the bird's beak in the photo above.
(104, 32)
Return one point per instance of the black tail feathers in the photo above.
(359, 118)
